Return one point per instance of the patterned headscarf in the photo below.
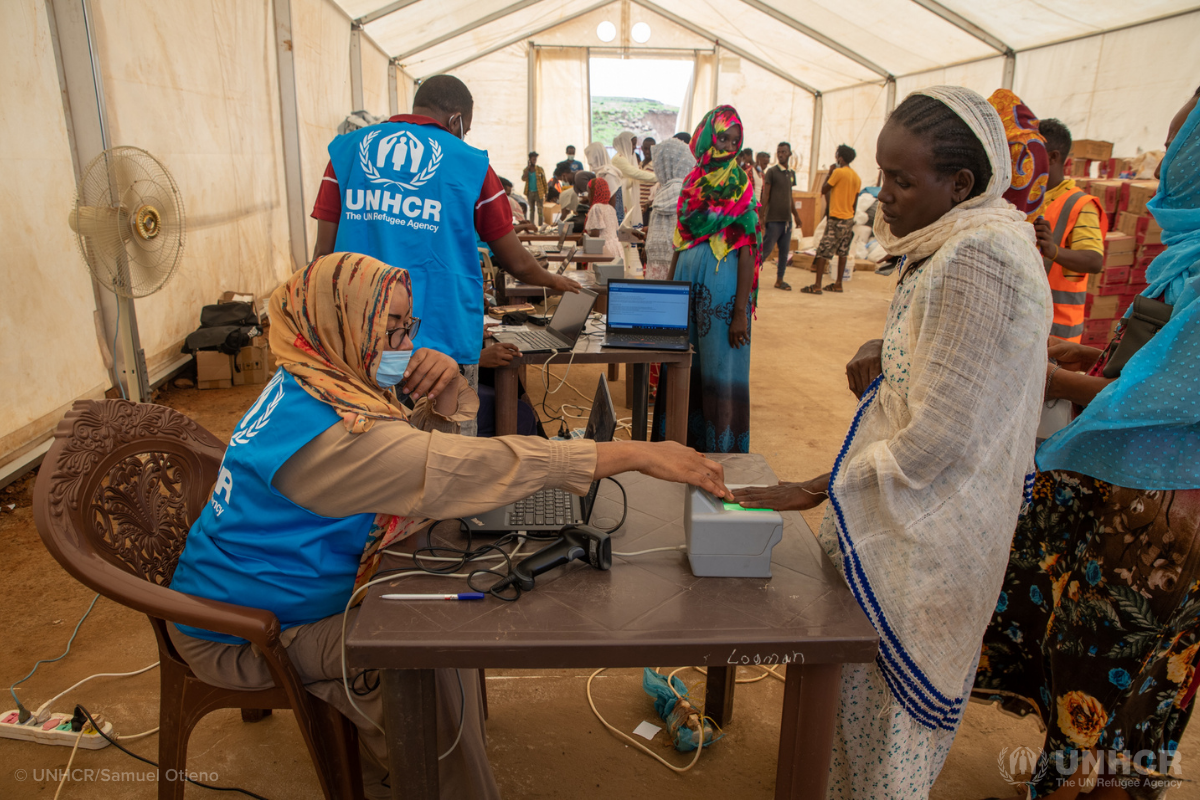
(716, 203)
(328, 327)
(600, 192)
(1030, 162)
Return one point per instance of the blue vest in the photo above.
(408, 199)
(254, 547)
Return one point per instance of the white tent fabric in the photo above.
(198, 84)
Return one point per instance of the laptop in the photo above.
(565, 326)
(551, 509)
(648, 314)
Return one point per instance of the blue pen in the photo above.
(459, 596)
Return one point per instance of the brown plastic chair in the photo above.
(114, 501)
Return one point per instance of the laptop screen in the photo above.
(655, 305)
(601, 426)
(572, 313)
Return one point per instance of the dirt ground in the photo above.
(543, 739)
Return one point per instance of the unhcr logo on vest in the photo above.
(406, 162)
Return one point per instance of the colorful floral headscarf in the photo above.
(1031, 163)
(716, 203)
(600, 192)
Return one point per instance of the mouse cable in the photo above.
(12, 689)
(116, 744)
(624, 505)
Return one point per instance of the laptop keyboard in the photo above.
(546, 507)
(638, 338)
(539, 340)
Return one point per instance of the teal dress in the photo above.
(719, 395)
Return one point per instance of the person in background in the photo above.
(762, 161)
(1098, 621)
(625, 162)
(841, 193)
(1071, 236)
(460, 204)
(334, 470)
(929, 482)
(575, 222)
(520, 224)
(684, 137)
(568, 198)
(533, 178)
(746, 162)
(1031, 164)
(561, 180)
(779, 210)
(718, 244)
(673, 161)
(602, 218)
(647, 152)
(570, 162)
(598, 163)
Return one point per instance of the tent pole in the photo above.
(816, 35)
(393, 89)
(716, 75)
(1010, 69)
(963, 24)
(531, 97)
(815, 154)
(356, 86)
(479, 23)
(589, 96)
(379, 13)
(290, 133)
(891, 97)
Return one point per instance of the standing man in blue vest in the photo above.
(411, 193)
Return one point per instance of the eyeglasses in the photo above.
(409, 330)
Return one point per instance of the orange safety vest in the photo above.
(1069, 294)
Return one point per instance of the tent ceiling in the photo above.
(825, 44)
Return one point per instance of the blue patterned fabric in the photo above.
(719, 395)
(1143, 430)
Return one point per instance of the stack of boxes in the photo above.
(1133, 241)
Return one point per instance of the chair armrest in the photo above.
(256, 625)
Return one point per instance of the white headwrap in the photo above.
(596, 155)
(673, 160)
(987, 208)
(623, 144)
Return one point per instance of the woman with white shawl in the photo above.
(597, 158)
(673, 161)
(632, 177)
(934, 469)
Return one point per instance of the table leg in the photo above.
(614, 373)
(678, 387)
(410, 719)
(506, 400)
(639, 376)
(718, 694)
(810, 703)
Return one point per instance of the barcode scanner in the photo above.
(581, 542)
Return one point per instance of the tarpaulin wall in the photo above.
(51, 354)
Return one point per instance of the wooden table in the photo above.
(645, 611)
(676, 363)
(579, 257)
(549, 237)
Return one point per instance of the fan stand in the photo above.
(133, 362)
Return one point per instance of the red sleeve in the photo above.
(493, 217)
(328, 207)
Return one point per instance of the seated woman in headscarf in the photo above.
(574, 223)
(602, 218)
(1098, 621)
(672, 163)
(929, 482)
(327, 469)
(717, 243)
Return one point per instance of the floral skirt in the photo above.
(1098, 626)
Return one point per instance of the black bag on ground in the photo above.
(226, 327)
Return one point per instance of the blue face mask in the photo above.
(392, 364)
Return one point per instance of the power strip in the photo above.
(55, 730)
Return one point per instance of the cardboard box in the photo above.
(1117, 242)
(214, 370)
(1092, 149)
(1148, 250)
(252, 366)
(1114, 275)
(1127, 223)
(1108, 192)
(1137, 288)
(1110, 169)
(1140, 193)
(1125, 259)
(1079, 168)
(1112, 281)
(1098, 307)
(1099, 343)
(1137, 275)
(1123, 304)
(1099, 328)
